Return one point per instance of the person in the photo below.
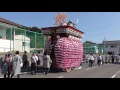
(6, 55)
(34, 60)
(6, 65)
(87, 58)
(110, 58)
(46, 62)
(25, 58)
(99, 59)
(10, 65)
(113, 58)
(39, 57)
(103, 59)
(117, 58)
(17, 64)
(39, 60)
(91, 60)
(2, 62)
(106, 58)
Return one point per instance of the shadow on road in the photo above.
(41, 70)
(115, 63)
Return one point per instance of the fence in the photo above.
(20, 39)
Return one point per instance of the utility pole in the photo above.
(104, 47)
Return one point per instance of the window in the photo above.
(26, 44)
(86, 45)
(112, 46)
(23, 43)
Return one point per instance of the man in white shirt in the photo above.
(91, 60)
(34, 60)
(99, 60)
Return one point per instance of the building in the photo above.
(90, 47)
(112, 47)
(4, 24)
(5, 45)
(23, 45)
(17, 42)
(100, 48)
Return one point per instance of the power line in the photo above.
(111, 25)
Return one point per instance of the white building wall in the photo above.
(114, 49)
(18, 43)
(5, 45)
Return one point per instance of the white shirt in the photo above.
(91, 58)
(99, 57)
(34, 59)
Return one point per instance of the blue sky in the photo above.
(95, 25)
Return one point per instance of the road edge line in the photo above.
(60, 77)
(91, 68)
(115, 74)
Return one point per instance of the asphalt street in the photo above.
(110, 70)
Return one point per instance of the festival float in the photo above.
(63, 42)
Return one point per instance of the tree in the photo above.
(27, 28)
(34, 29)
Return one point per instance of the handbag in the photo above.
(21, 64)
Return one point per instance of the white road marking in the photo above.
(91, 68)
(115, 74)
(60, 77)
(24, 72)
(78, 68)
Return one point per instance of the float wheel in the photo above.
(68, 69)
(72, 68)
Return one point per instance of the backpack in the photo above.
(99, 58)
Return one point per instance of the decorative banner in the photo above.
(60, 19)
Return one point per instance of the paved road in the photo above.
(105, 71)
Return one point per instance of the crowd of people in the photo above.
(13, 64)
(101, 58)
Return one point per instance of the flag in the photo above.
(77, 20)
